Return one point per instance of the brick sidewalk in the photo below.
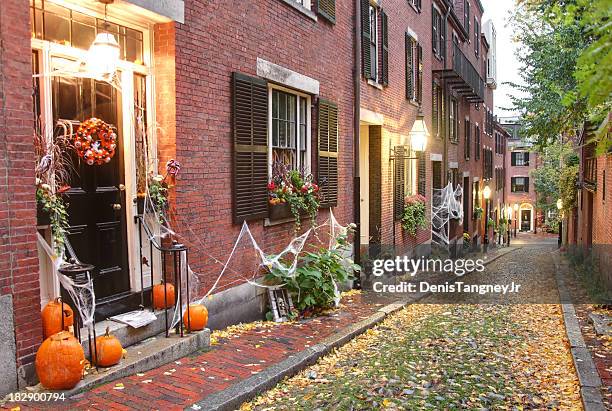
(235, 358)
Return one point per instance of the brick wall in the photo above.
(602, 216)
(19, 274)
(217, 39)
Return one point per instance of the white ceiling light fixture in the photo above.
(103, 54)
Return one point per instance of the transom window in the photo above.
(61, 25)
(290, 129)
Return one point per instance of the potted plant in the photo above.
(467, 241)
(413, 216)
(478, 211)
(292, 193)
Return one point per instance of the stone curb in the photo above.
(590, 383)
(232, 397)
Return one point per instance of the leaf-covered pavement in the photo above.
(442, 357)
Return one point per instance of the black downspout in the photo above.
(356, 118)
(446, 102)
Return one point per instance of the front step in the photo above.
(146, 355)
(127, 335)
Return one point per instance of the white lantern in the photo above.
(103, 55)
(419, 134)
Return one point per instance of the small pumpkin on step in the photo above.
(159, 297)
(108, 350)
(195, 317)
(52, 317)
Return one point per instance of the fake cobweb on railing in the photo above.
(446, 205)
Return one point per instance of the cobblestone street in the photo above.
(456, 355)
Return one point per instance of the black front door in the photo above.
(96, 198)
(525, 220)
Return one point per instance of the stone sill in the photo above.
(308, 13)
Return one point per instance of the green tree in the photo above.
(566, 66)
(555, 159)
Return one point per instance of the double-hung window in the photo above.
(414, 69)
(289, 130)
(519, 158)
(466, 16)
(476, 36)
(304, 3)
(438, 34)
(454, 120)
(373, 42)
(519, 184)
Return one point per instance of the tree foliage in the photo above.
(566, 66)
(555, 158)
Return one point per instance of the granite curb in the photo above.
(590, 383)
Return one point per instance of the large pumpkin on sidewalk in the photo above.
(159, 299)
(52, 317)
(197, 319)
(60, 361)
(108, 350)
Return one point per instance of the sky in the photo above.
(507, 64)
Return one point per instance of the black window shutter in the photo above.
(513, 159)
(422, 173)
(434, 30)
(420, 74)
(250, 134)
(385, 47)
(418, 5)
(366, 58)
(409, 68)
(526, 158)
(467, 136)
(526, 184)
(399, 182)
(442, 38)
(467, 17)
(434, 108)
(328, 152)
(327, 9)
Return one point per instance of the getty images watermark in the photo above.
(403, 266)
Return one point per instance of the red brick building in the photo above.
(228, 89)
(212, 92)
(521, 159)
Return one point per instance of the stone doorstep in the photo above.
(127, 335)
(151, 353)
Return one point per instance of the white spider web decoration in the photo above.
(446, 204)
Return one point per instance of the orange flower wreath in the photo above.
(95, 141)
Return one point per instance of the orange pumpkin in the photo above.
(198, 317)
(159, 301)
(60, 361)
(108, 350)
(52, 317)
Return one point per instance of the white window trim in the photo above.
(271, 87)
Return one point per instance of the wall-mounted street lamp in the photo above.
(419, 134)
(486, 193)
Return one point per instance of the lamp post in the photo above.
(509, 213)
(516, 207)
(560, 207)
(486, 193)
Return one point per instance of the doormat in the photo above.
(135, 319)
